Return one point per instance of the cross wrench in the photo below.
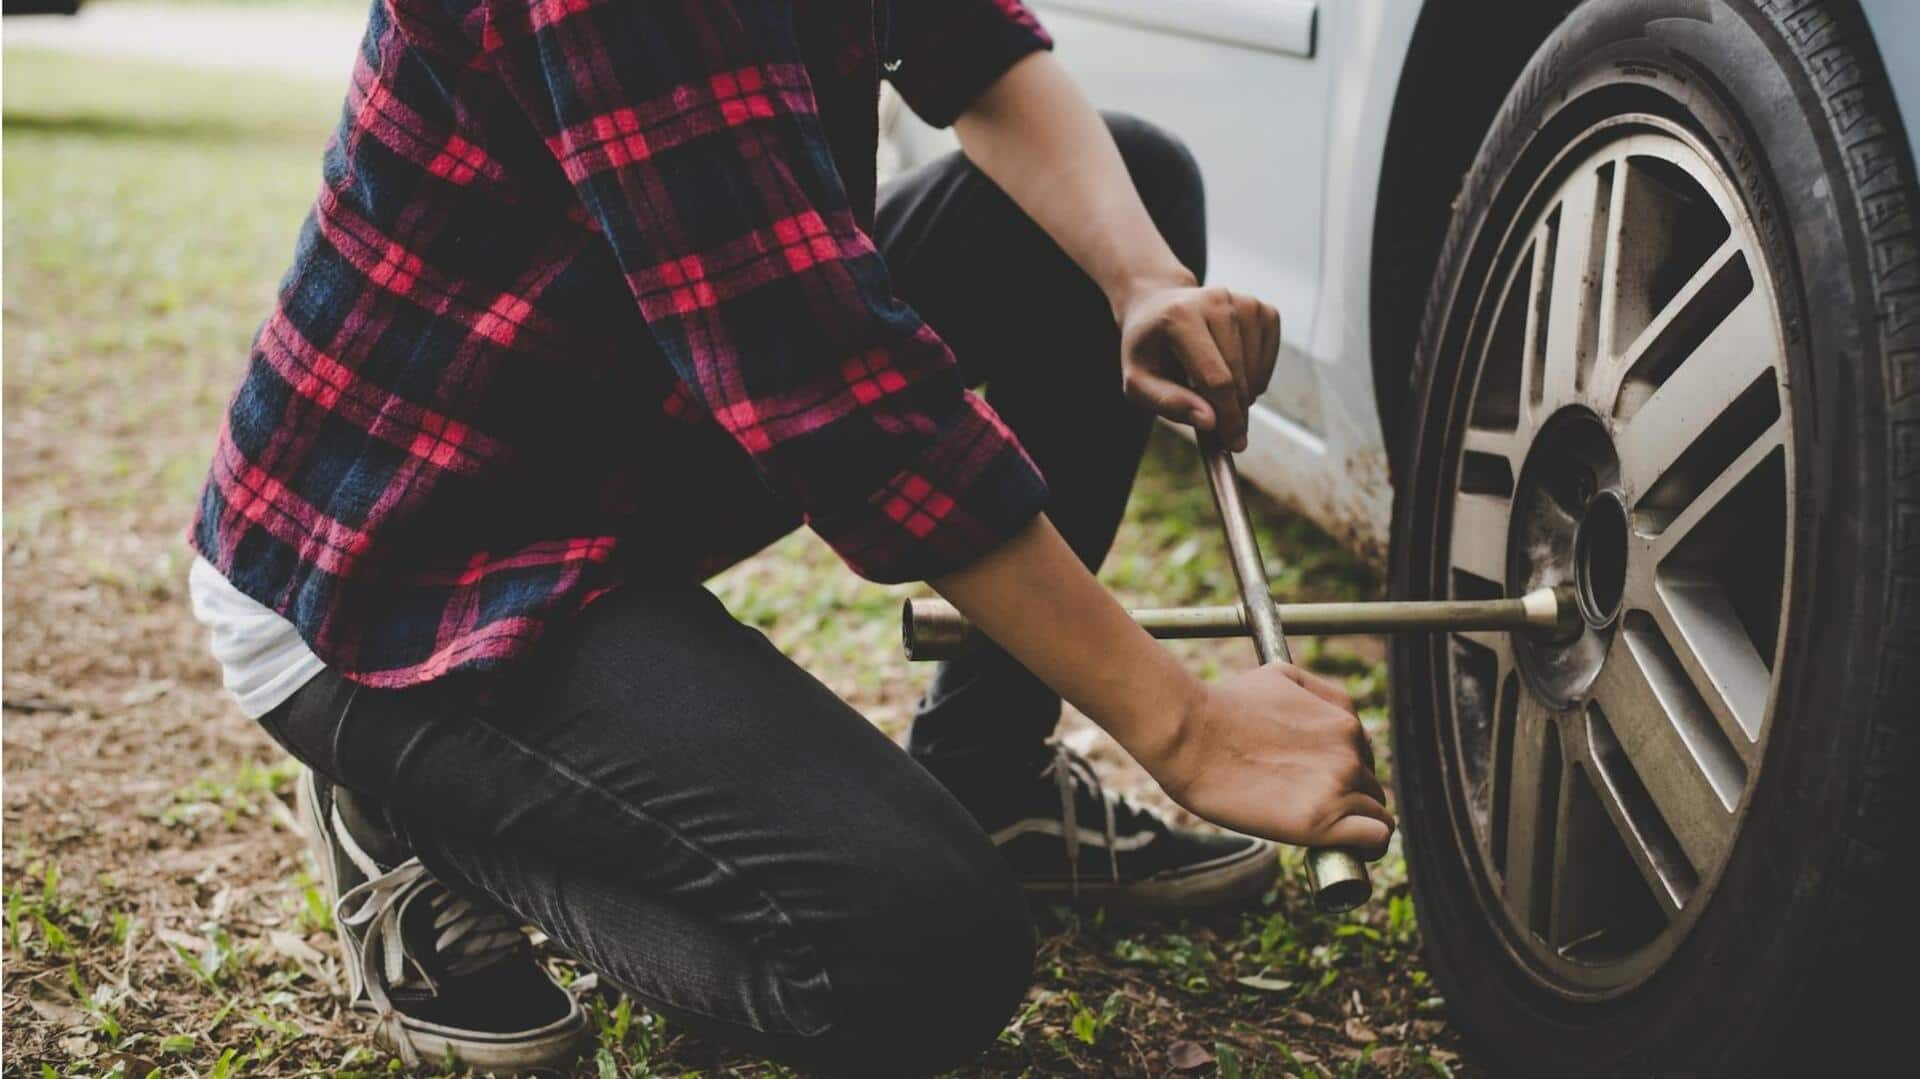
(933, 629)
(1337, 876)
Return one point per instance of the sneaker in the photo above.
(1069, 840)
(445, 978)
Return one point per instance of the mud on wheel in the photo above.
(1661, 364)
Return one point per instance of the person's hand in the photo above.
(1198, 355)
(1277, 752)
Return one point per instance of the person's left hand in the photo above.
(1198, 355)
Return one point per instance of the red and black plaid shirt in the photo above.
(587, 298)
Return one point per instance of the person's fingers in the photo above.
(1165, 397)
(1365, 837)
(1209, 375)
(1364, 827)
(1366, 782)
(1219, 312)
(1324, 688)
(1264, 341)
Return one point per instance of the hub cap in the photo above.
(1628, 434)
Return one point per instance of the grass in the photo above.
(158, 917)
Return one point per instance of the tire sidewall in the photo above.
(1761, 959)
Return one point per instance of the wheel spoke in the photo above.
(1698, 622)
(1738, 353)
(1530, 799)
(1674, 531)
(1704, 298)
(1611, 785)
(1480, 536)
(1670, 747)
(1573, 282)
(1618, 258)
(1506, 444)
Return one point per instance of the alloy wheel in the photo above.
(1628, 433)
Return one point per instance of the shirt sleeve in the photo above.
(690, 132)
(942, 54)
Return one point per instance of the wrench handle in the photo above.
(1339, 879)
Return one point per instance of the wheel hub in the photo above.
(1569, 527)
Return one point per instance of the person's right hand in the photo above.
(1278, 752)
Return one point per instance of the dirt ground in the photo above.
(159, 916)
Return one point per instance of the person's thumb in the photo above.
(1165, 397)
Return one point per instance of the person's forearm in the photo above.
(1035, 134)
(1035, 599)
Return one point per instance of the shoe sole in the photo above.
(1235, 880)
(553, 1049)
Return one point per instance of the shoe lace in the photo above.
(1070, 772)
(469, 937)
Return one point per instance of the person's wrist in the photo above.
(1168, 727)
(1131, 287)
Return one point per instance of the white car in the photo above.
(1624, 296)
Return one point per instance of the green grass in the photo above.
(149, 213)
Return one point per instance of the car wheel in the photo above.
(1671, 361)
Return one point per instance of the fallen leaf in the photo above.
(1265, 984)
(293, 947)
(1186, 1056)
(129, 1064)
(181, 940)
(65, 1015)
(78, 1046)
(1360, 1033)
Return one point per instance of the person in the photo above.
(599, 298)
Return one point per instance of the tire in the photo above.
(1776, 936)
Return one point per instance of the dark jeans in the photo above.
(704, 823)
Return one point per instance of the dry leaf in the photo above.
(1186, 1056)
(65, 1015)
(1360, 1033)
(181, 940)
(293, 947)
(1265, 984)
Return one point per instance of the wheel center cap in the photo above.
(1569, 527)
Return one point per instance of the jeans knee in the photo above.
(972, 987)
(1168, 178)
(945, 971)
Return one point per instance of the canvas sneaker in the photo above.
(446, 979)
(1069, 840)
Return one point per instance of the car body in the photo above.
(1324, 192)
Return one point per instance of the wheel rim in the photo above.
(1626, 432)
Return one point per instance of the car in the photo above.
(42, 7)
(1622, 297)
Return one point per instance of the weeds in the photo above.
(228, 798)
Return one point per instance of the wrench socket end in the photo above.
(1339, 880)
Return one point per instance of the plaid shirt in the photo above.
(588, 298)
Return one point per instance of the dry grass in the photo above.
(158, 914)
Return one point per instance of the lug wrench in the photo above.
(1337, 876)
(933, 629)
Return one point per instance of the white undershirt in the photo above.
(262, 658)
